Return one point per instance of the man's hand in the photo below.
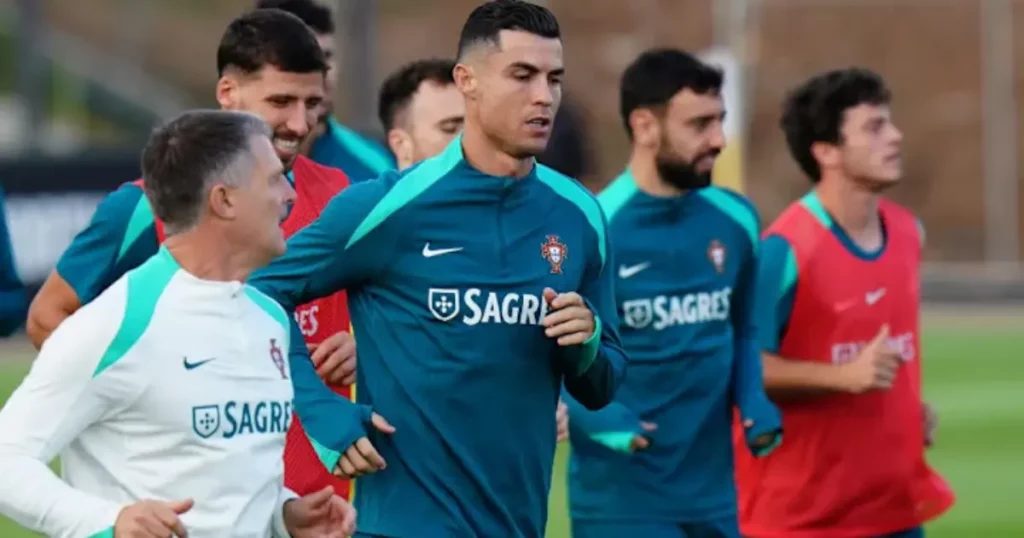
(570, 321)
(641, 442)
(874, 368)
(152, 519)
(320, 515)
(931, 424)
(362, 458)
(335, 359)
(562, 418)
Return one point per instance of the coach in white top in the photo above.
(168, 397)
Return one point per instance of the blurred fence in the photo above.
(949, 62)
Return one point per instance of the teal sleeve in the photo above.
(777, 281)
(324, 257)
(747, 370)
(613, 426)
(594, 369)
(89, 263)
(332, 253)
(330, 421)
(13, 299)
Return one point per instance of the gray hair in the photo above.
(190, 154)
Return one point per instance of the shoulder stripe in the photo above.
(737, 208)
(812, 204)
(572, 190)
(145, 286)
(615, 196)
(270, 306)
(141, 219)
(372, 156)
(418, 180)
(790, 272)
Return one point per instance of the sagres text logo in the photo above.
(234, 418)
(474, 306)
(666, 311)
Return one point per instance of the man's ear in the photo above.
(221, 202)
(827, 155)
(401, 145)
(466, 79)
(646, 128)
(227, 92)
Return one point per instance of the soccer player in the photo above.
(840, 335)
(331, 143)
(422, 112)
(658, 461)
(13, 299)
(152, 394)
(270, 64)
(479, 282)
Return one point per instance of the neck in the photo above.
(481, 154)
(645, 174)
(208, 256)
(851, 205)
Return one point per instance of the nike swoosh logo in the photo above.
(427, 253)
(873, 297)
(193, 365)
(629, 271)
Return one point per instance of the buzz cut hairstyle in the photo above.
(398, 89)
(659, 74)
(271, 37)
(485, 23)
(185, 157)
(815, 110)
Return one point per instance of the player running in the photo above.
(165, 422)
(478, 283)
(270, 64)
(331, 143)
(841, 332)
(658, 461)
(422, 112)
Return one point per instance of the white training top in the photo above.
(165, 387)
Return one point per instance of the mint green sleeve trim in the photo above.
(329, 458)
(591, 346)
(617, 441)
(106, 533)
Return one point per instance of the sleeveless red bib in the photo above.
(849, 465)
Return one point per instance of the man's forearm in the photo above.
(786, 379)
(36, 499)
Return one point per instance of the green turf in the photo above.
(974, 376)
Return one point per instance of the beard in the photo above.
(682, 174)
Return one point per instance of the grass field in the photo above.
(974, 375)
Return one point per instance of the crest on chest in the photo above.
(716, 255)
(555, 252)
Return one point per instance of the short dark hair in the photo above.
(814, 111)
(316, 15)
(486, 22)
(269, 37)
(186, 154)
(657, 75)
(397, 90)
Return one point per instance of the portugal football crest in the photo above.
(278, 357)
(555, 252)
(716, 253)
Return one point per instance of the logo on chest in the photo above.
(235, 418)
(716, 254)
(277, 357)
(664, 311)
(477, 306)
(555, 252)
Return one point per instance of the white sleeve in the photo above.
(280, 529)
(63, 394)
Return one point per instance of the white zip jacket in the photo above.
(165, 387)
